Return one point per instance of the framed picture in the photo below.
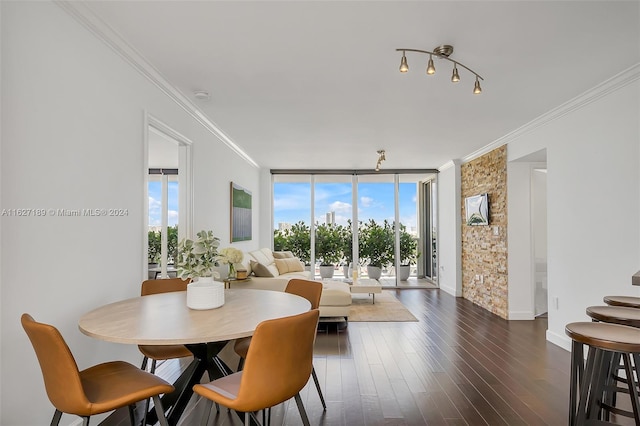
(477, 210)
(240, 213)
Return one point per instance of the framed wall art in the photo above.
(240, 213)
(477, 210)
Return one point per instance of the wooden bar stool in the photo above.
(626, 301)
(588, 396)
(615, 315)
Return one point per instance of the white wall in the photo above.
(72, 137)
(593, 182)
(519, 242)
(449, 230)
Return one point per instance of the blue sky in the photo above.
(291, 202)
(155, 203)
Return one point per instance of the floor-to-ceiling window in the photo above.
(388, 235)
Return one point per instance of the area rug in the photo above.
(386, 308)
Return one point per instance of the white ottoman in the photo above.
(335, 300)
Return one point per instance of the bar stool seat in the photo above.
(615, 315)
(627, 301)
(589, 395)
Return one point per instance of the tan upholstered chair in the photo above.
(310, 290)
(98, 389)
(277, 368)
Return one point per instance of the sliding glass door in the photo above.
(389, 236)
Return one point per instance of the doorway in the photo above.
(168, 198)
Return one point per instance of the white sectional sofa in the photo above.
(270, 270)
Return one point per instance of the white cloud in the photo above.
(340, 207)
(366, 201)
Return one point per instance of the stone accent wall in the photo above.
(484, 254)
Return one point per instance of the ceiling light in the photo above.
(455, 77)
(430, 68)
(404, 67)
(441, 52)
(202, 95)
(477, 89)
(381, 158)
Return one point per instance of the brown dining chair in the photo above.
(157, 353)
(162, 352)
(277, 368)
(310, 290)
(98, 389)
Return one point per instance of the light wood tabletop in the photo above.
(165, 319)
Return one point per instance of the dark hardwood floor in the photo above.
(459, 365)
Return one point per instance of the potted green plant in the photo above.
(328, 248)
(299, 242)
(198, 257)
(376, 247)
(408, 253)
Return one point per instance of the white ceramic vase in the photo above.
(205, 293)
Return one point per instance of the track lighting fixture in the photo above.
(381, 158)
(441, 52)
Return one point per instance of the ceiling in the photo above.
(303, 84)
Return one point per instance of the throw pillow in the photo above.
(290, 264)
(282, 254)
(260, 270)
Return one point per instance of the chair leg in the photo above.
(55, 421)
(85, 421)
(144, 363)
(159, 411)
(207, 411)
(240, 364)
(315, 380)
(132, 416)
(146, 402)
(303, 412)
(247, 420)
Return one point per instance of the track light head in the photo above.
(404, 67)
(477, 89)
(431, 69)
(455, 77)
(381, 158)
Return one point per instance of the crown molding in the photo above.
(614, 83)
(449, 164)
(85, 16)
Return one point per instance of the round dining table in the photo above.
(165, 319)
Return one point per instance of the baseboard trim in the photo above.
(559, 340)
(521, 316)
(452, 291)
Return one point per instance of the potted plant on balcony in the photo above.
(328, 248)
(299, 242)
(376, 247)
(408, 253)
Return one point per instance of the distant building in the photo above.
(330, 218)
(283, 226)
